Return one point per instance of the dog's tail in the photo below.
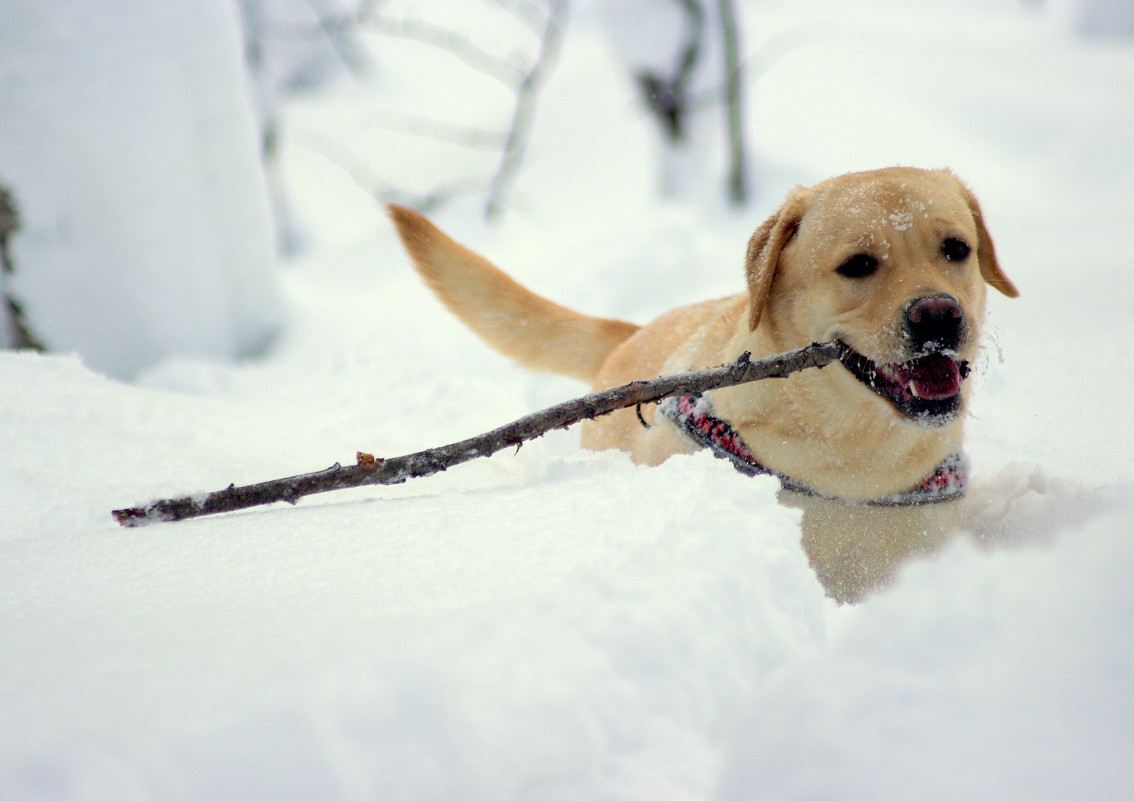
(531, 329)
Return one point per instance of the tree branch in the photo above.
(667, 98)
(439, 131)
(342, 41)
(439, 36)
(527, 11)
(370, 470)
(737, 183)
(16, 332)
(380, 189)
(526, 95)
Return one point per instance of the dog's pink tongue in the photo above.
(931, 377)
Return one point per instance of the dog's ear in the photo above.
(764, 253)
(986, 251)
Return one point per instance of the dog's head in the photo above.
(893, 265)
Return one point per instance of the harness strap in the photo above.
(693, 415)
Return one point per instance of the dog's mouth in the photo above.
(926, 390)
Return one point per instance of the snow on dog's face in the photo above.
(893, 265)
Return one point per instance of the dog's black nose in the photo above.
(935, 323)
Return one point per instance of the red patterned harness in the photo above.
(693, 415)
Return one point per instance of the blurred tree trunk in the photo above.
(15, 333)
(734, 96)
(669, 97)
(674, 101)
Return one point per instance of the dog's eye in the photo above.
(859, 265)
(955, 249)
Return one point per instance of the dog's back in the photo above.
(531, 329)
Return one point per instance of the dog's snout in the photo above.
(935, 323)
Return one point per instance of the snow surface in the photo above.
(553, 624)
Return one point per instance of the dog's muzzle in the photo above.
(925, 389)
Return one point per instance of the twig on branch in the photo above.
(370, 470)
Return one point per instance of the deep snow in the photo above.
(553, 624)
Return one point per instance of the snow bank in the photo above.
(544, 625)
(131, 148)
(981, 675)
(379, 654)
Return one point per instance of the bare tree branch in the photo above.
(752, 67)
(342, 41)
(734, 95)
(337, 29)
(368, 470)
(447, 132)
(336, 26)
(669, 97)
(380, 189)
(461, 46)
(524, 80)
(527, 11)
(526, 96)
(671, 100)
(18, 333)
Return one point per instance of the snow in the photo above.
(1020, 698)
(131, 150)
(900, 222)
(556, 624)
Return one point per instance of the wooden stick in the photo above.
(370, 470)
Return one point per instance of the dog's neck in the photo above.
(779, 421)
(694, 417)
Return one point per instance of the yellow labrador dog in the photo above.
(892, 264)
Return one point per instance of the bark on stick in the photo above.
(370, 470)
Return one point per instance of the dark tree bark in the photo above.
(17, 333)
(734, 98)
(672, 102)
(669, 97)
